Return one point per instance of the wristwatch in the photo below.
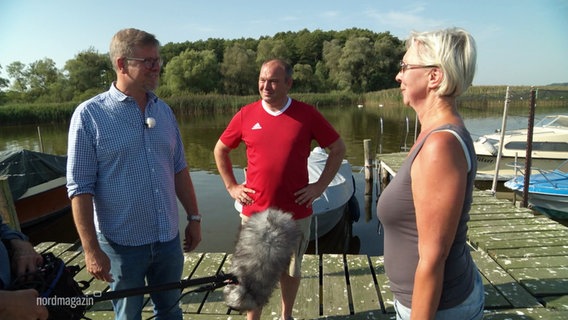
(194, 217)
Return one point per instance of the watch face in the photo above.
(196, 217)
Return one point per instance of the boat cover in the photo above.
(26, 169)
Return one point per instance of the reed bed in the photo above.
(476, 98)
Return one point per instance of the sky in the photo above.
(519, 42)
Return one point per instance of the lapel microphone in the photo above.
(150, 122)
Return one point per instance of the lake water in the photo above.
(220, 219)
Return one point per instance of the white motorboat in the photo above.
(338, 199)
(549, 148)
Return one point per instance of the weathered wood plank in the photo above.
(44, 246)
(308, 300)
(499, 216)
(214, 302)
(534, 262)
(362, 286)
(386, 298)
(528, 242)
(514, 228)
(334, 287)
(100, 314)
(209, 265)
(493, 298)
(556, 302)
(526, 314)
(543, 281)
(523, 236)
(515, 294)
(508, 222)
(529, 252)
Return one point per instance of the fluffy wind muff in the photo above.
(263, 251)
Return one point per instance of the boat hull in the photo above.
(547, 192)
(37, 184)
(330, 207)
(42, 202)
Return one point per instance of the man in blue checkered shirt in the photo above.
(125, 167)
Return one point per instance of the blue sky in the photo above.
(520, 42)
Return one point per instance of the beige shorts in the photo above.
(295, 269)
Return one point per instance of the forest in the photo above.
(352, 61)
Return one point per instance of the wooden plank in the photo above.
(100, 315)
(556, 302)
(514, 228)
(526, 314)
(214, 302)
(191, 301)
(386, 296)
(543, 281)
(534, 262)
(529, 252)
(364, 294)
(493, 298)
(527, 242)
(499, 216)
(508, 222)
(44, 246)
(334, 286)
(60, 248)
(308, 300)
(209, 265)
(523, 236)
(515, 294)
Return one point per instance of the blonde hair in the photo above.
(454, 51)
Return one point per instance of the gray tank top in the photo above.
(396, 212)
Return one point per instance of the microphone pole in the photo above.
(218, 280)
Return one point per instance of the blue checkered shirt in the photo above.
(128, 167)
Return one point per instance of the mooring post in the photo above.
(7, 209)
(528, 156)
(368, 166)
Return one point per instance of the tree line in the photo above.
(353, 60)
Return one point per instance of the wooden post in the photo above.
(368, 166)
(500, 151)
(385, 178)
(528, 156)
(7, 209)
(40, 139)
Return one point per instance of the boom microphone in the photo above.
(263, 251)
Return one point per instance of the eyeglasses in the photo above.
(149, 63)
(406, 66)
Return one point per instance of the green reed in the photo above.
(476, 98)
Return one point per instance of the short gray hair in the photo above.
(452, 49)
(126, 41)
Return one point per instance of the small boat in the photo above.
(549, 148)
(337, 200)
(547, 190)
(37, 183)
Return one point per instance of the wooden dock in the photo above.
(523, 259)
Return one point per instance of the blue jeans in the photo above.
(470, 309)
(158, 263)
